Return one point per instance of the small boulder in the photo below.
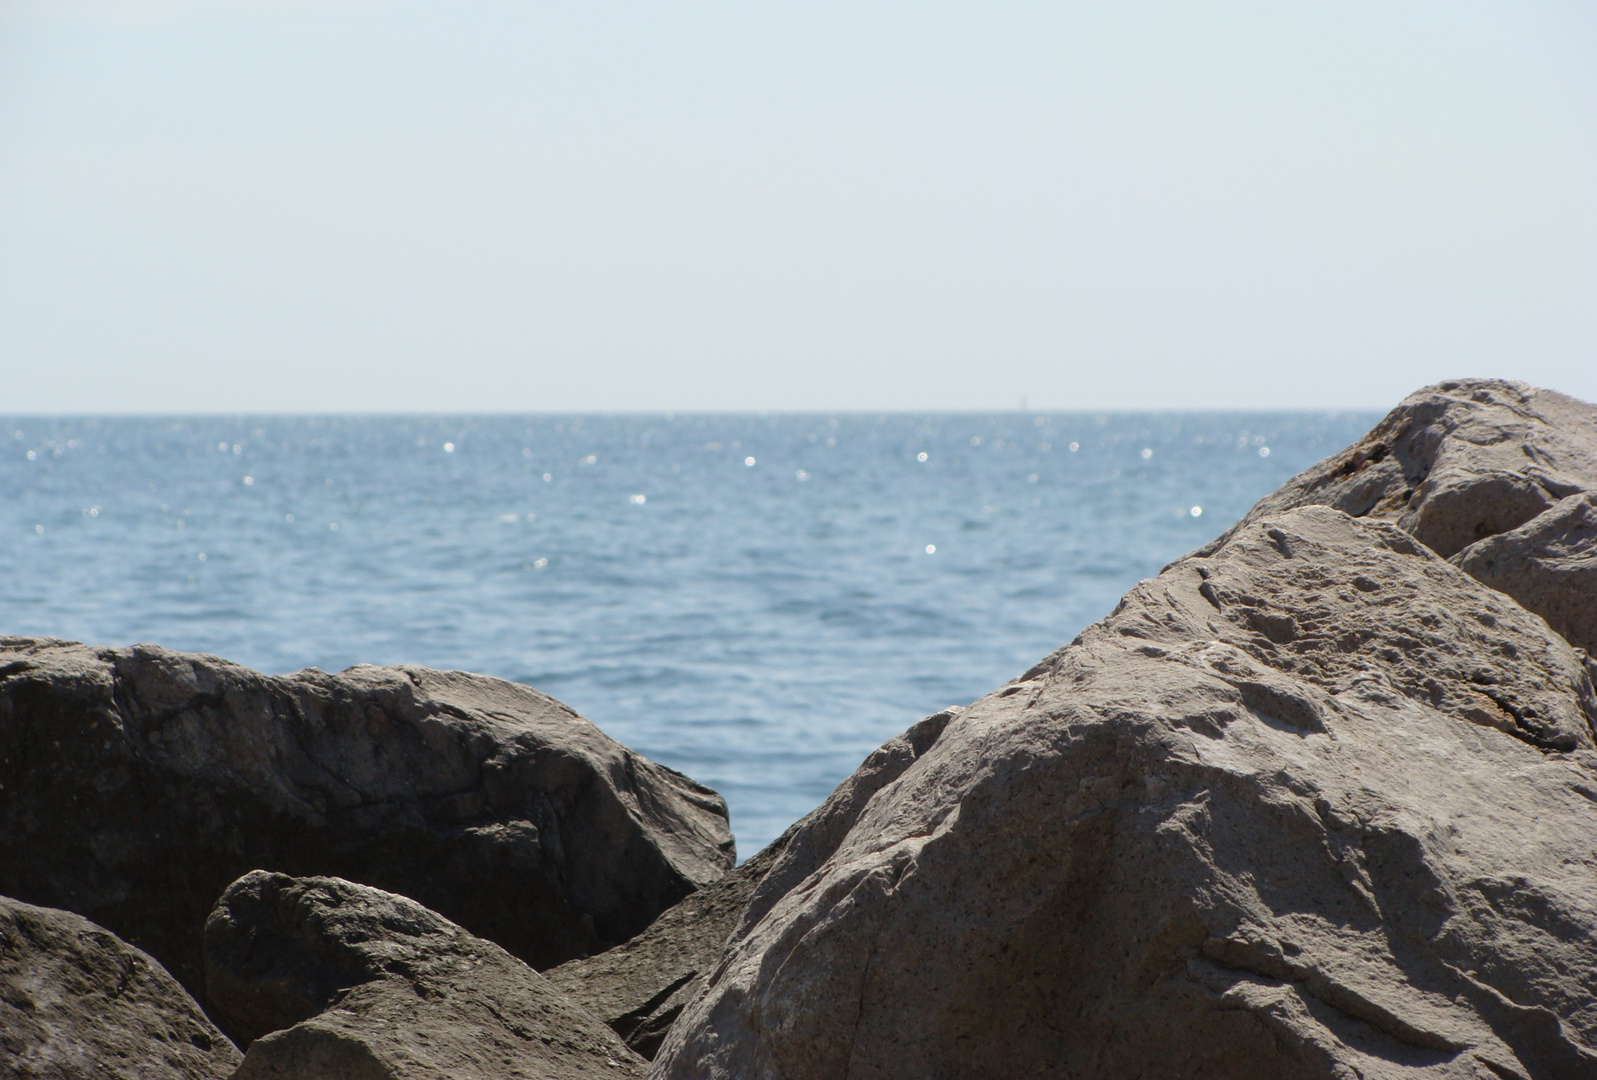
(333, 980)
(75, 1002)
(138, 783)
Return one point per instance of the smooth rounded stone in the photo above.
(138, 783)
(337, 981)
(76, 1002)
(640, 987)
(1454, 463)
(1317, 805)
(1549, 565)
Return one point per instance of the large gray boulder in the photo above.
(337, 981)
(640, 987)
(138, 783)
(76, 1002)
(1464, 461)
(1315, 804)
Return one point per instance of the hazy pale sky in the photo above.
(223, 205)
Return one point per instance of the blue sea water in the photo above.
(756, 600)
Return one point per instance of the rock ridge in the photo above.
(1464, 462)
(1312, 803)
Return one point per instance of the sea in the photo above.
(757, 600)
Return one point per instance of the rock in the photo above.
(640, 987)
(334, 980)
(1463, 462)
(1549, 565)
(823, 828)
(1454, 463)
(138, 783)
(77, 1002)
(1316, 804)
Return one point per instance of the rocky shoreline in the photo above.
(1320, 800)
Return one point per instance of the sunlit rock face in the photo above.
(1313, 803)
(640, 988)
(1461, 463)
(138, 783)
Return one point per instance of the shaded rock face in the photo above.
(640, 988)
(1315, 804)
(1461, 462)
(140, 782)
(77, 1002)
(338, 981)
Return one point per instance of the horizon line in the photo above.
(667, 414)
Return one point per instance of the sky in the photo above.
(514, 205)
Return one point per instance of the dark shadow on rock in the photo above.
(140, 782)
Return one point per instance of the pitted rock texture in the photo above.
(138, 783)
(338, 981)
(1315, 805)
(76, 1002)
(815, 836)
(1462, 462)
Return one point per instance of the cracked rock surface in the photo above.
(338, 981)
(138, 783)
(1313, 803)
(77, 1002)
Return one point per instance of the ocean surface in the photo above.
(756, 600)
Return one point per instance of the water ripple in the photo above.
(758, 631)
